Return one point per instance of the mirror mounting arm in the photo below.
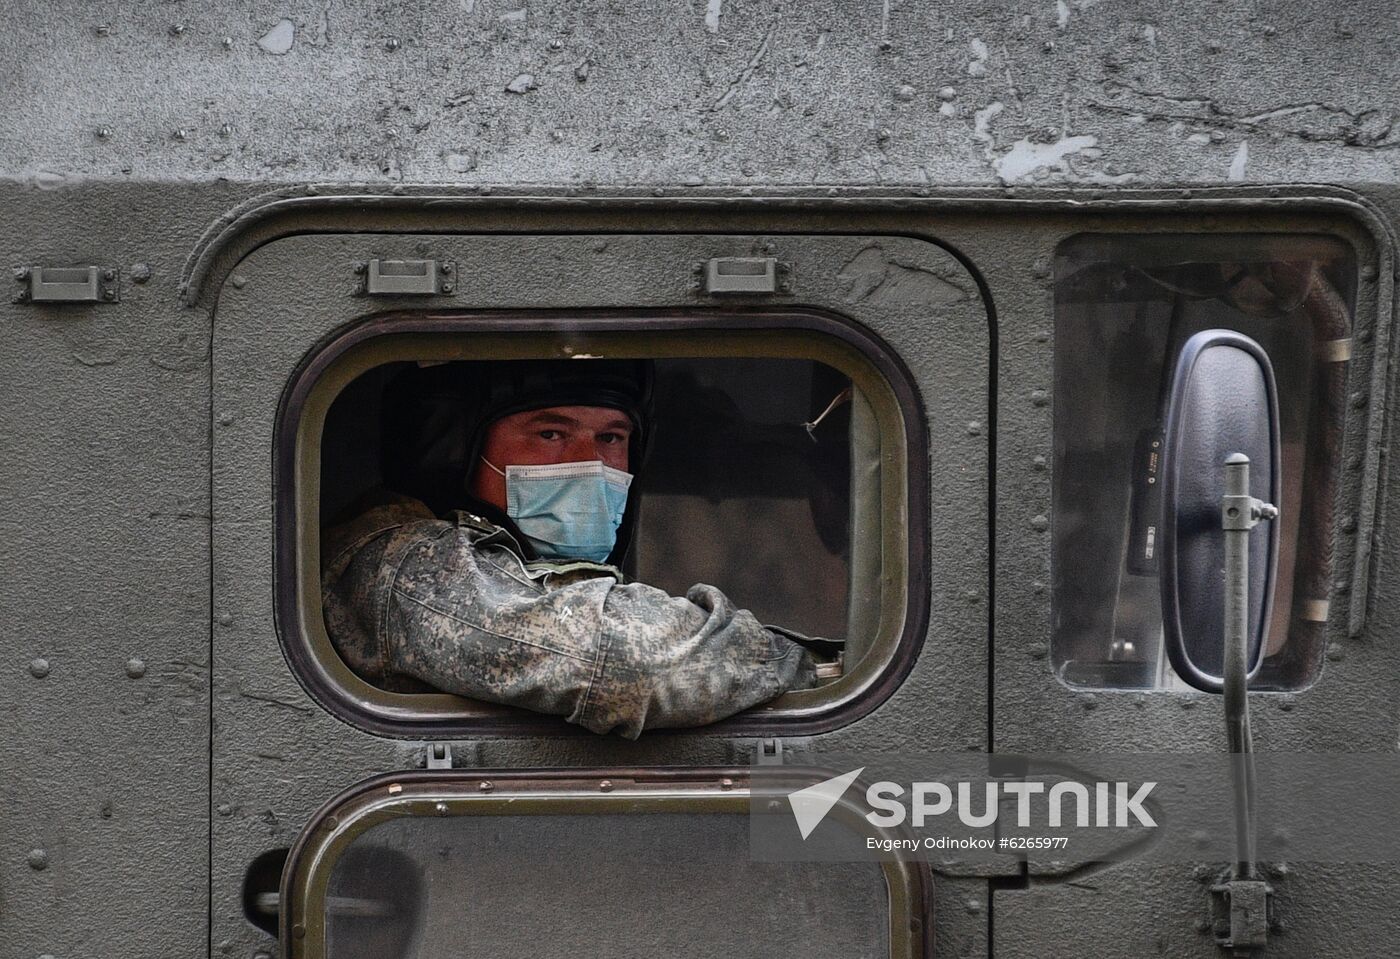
(1248, 898)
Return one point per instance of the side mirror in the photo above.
(1223, 401)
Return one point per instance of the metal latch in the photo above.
(746, 274)
(405, 277)
(769, 752)
(67, 284)
(439, 756)
(1242, 910)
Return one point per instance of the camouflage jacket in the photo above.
(452, 603)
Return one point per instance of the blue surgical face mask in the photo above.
(567, 510)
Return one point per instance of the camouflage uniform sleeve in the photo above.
(435, 602)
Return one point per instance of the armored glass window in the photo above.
(1124, 306)
(426, 865)
(777, 471)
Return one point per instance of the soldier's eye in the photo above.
(612, 438)
(550, 434)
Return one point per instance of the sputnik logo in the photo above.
(810, 804)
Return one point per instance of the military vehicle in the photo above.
(978, 236)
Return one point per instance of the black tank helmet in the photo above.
(435, 421)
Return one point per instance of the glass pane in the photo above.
(1124, 306)
(593, 885)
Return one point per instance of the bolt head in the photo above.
(448, 287)
(38, 860)
(39, 668)
(605, 786)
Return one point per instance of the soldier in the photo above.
(517, 597)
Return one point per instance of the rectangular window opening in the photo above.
(776, 471)
(1124, 305)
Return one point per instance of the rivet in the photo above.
(485, 786)
(446, 268)
(21, 273)
(38, 860)
(1038, 463)
(226, 130)
(333, 822)
(1038, 651)
(391, 44)
(39, 668)
(1040, 523)
(109, 275)
(1286, 703)
(109, 294)
(1048, 46)
(225, 809)
(106, 810)
(886, 46)
(1186, 194)
(227, 43)
(141, 272)
(605, 786)
(905, 93)
(135, 668)
(104, 132)
(1040, 398)
(974, 428)
(177, 29)
(360, 268)
(225, 619)
(1336, 652)
(313, 190)
(182, 134)
(1037, 587)
(1043, 336)
(971, 596)
(972, 906)
(441, 808)
(448, 287)
(947, 94)
(225, 419)
(726, 783)
(103, 29)
(262, 955)
(299, 931)
(556, 45)
(239, 281)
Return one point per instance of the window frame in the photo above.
(440, 334)
(543, 792)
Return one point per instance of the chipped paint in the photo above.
(713, 11)
(278, 41)
(982, 127)
(1237, 165)
(977, 67)
(1027, 156)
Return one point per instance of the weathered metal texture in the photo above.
(702, 92)
(105, 485)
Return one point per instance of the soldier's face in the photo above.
(556, 434)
